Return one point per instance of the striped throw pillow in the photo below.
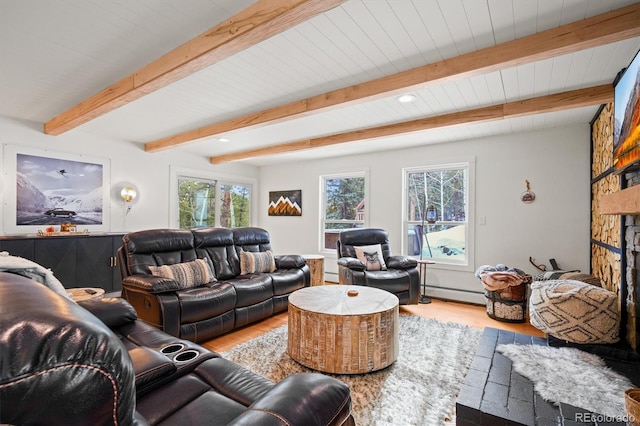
(255, 262)
(187, 274)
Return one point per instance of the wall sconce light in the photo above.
(128, 194)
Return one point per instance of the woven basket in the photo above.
(508, 304)
(632, 402)
(508, 307)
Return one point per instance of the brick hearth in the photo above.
(493, 394)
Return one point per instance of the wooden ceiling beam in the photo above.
(250, 26)
(599, 30)
(557, 102)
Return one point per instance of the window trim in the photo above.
(469, 164)
(346, 174)
(176, 172)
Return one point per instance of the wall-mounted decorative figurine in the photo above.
(285, 203)
(528, 196)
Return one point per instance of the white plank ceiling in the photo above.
(56, 53)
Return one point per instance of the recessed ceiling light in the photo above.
(406, 98)
(223, 140)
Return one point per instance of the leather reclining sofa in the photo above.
(94, 363)
(201, 312)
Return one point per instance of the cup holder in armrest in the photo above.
(172, 348)
(186, 356)
(183, 355)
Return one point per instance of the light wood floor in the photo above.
(442, 310)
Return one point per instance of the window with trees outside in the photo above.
(437, 209)
(208, 203)
(343, 206)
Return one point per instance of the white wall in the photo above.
(556, 225)
(129, 163)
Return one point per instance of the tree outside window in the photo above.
(199, 207)
(235, 205)
(343, 206)
(437, 213)
(196, 203)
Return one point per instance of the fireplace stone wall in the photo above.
(631, 256)
(615, 239)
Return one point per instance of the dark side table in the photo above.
(422, 264)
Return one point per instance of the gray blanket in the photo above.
(27, 268)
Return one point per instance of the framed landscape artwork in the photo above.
(44, 188)
(285, 203)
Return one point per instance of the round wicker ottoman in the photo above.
(343, 329)
(575, 311)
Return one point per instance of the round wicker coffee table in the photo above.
(343, 329)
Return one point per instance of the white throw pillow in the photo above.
(371, 256)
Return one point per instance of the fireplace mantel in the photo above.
(626, 201)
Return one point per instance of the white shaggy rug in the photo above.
(420, 388)
(570, 376)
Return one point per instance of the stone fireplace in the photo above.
(630, 264)
(625, 204)
(615, 226)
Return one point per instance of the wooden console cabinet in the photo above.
(77, 261)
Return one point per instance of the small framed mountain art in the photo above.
(285, 203)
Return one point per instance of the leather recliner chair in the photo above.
(401, 276)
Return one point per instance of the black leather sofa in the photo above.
(95, 363)
(208, 310)
(400, 275)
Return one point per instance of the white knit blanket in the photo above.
(27, 268)
(570, 376)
